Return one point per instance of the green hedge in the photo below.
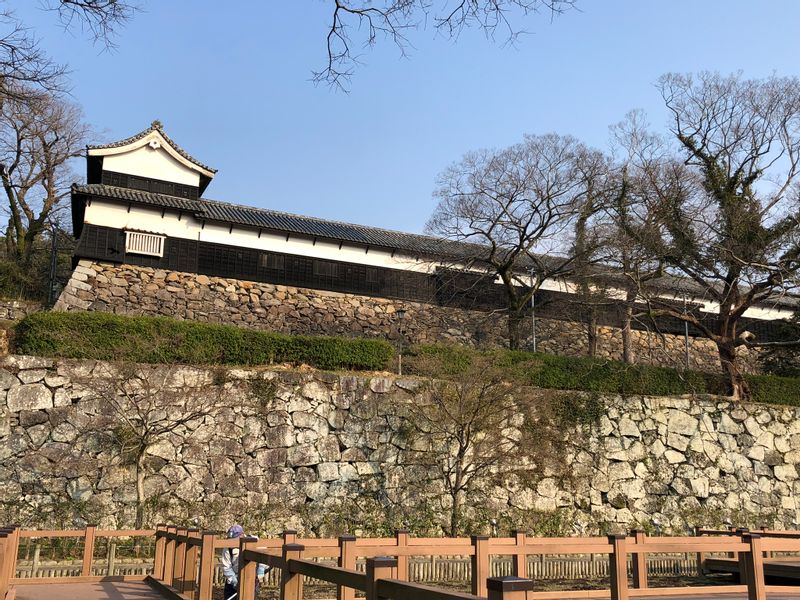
(594, 375)
(105, 336)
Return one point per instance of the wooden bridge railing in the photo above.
(185, 558)
(9, 550)
(387, 563)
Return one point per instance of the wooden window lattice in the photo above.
(144, 243)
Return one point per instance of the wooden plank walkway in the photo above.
(116, 590)
(136, 590)
(782, 568)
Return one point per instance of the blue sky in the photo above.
(231, 83)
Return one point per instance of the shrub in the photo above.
(106, 336)
(594, 374)
(773, 389)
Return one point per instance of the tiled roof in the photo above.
(154, 126)
(224, 212)
(213, 210)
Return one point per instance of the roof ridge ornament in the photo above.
(157, 124)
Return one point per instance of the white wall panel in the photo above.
(109, 214)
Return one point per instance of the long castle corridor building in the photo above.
(149, 243)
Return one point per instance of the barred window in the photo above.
(144, 243)
(273, 262)
(324, 268)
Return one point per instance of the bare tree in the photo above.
(727, 210)
(631, 264)
(393, 19)
(39, 135)
(144, 406)
(590, 247)
(101, 18)
(24, 65)
(463, 433)
(516, 207)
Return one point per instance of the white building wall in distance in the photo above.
(153, 163)
(168, 223)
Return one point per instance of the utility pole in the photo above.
(401, 313)
(51, 284)
(533, 312)
(685, 334)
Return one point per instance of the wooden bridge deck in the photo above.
(116, 590)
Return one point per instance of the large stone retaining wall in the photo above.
(145, 291)
(308, 449)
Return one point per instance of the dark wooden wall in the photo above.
(444, 288)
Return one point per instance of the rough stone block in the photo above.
(33, 396)
(32, 375)
(7, 380)
(328, 471)
(303, 455)
(279, 436)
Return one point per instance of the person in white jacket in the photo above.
(230, 566)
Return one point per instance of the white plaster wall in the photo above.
(155, 164)
(116, 215)
(145, 219)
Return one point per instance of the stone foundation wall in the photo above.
(310, 450)
(146, 291)
(14, 310)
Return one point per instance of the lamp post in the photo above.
(401, 314)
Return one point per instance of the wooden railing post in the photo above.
(618, 566)
(700, 556)
(381, 567)
(190, 563)
(8, 567)
(754, 565)
(169, 556)
(111, 558)
(205, 580)
(291, 583)
(180, 558)
(5, 558)
(480, 564)
(13, 543)
(160, 550)
(88, 550)
(520, 559)
(247, 570)
(765, 533)
(347, 560)
(742, 558)
(639, 562)
(402, 561)
(508, 588)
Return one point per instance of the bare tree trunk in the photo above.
(627, 333)
(140, 495)
(738, 387)
(591, 326)
(455, 515)
(514, 326)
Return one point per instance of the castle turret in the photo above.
(149, 161)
